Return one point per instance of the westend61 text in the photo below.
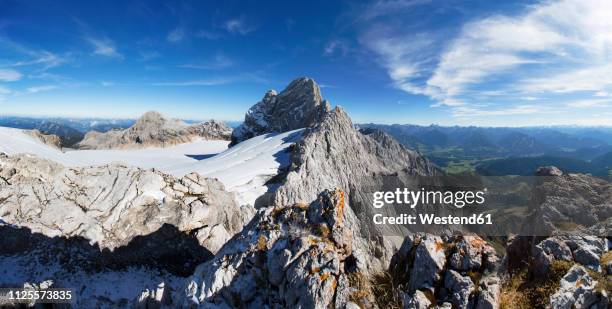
(431, 219)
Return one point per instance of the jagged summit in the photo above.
(298, 106)
(153, 129)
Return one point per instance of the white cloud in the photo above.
(107, 83)
(238, 26)
(40, 88)
(9, 75)
(176, 35)
(104, 47)
(4, 90)
(551, 48)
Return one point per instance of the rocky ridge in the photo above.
(297, 256)
(154, 130)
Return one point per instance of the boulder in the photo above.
(489, 292)
(428, 263)
(459, 288)
(577, 290)
(418, 301)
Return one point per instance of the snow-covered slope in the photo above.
(243, 169)
(246, 167)
(14, 141)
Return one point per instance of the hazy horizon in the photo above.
(234, 121)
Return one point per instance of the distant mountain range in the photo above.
(494, 151)
(72, 130)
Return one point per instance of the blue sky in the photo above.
(492, 63)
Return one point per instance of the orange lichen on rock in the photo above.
(340, 206)
(439, 246)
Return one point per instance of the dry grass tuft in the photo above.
(523, 292)
(386, 291)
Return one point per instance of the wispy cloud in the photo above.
(41, 60)
(466, 111)
(383, 7)
(104, 47)
(44, 59)
(207, 34)
(336, 47)
(196, 82)
(40, 88)
(216, 81)
(238, 26)
(219, 61)
(590, 103)
(9, 75)
(176, 35)
(4, 90)
(147, 55)
(551, 48)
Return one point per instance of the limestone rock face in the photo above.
(110, 205)
(568, 201)
(297, 256)
(298, 106)
(334, 154)
(154, 130)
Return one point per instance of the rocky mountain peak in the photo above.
(298, 106)
(548, 171)
(152, 129)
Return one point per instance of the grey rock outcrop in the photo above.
(424, 264)
(429, 260)
(295, 256)
(154, 130)
(298, 106)
(47, 139)
(548, 171)
(110, 205)
(418, 301)
(459, 287)
(577, 290)
(489, 293)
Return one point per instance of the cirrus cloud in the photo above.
(550, 49)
